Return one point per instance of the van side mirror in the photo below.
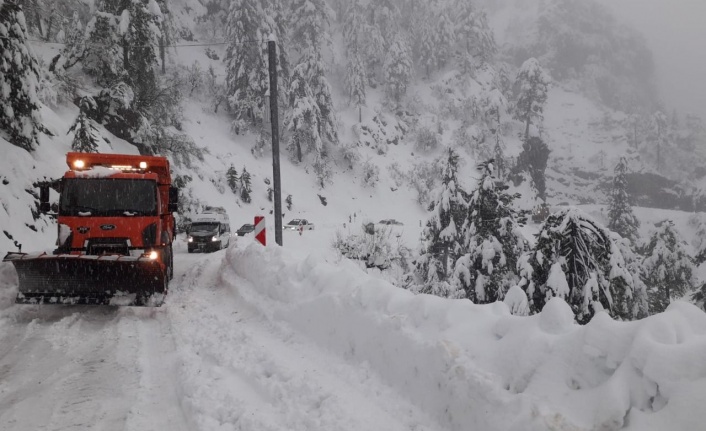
(44, 205)
(173, 205)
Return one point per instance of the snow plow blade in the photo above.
(72, 279)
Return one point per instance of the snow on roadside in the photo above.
(239, 371)
(478, 366)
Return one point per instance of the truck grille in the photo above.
(108, 246)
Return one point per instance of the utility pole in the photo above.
(274, 121)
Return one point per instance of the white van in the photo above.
(209, 231)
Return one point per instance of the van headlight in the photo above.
(215, 238)
(191, 239)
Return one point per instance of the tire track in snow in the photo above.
(242, 372)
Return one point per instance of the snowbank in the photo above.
(479, 367)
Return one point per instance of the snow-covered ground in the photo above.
(297, 338)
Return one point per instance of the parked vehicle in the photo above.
(391, 221)
(115, 230)
(209, 231)
(540, 213)
(299, 224)
(245, 229)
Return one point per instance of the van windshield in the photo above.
(204, 227)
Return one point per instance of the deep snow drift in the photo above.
(317, 344)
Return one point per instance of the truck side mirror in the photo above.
(173, 200)
(44, 205)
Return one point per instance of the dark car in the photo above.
(245, 229)
(391, 221)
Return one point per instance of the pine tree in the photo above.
(245, 186)
(353, 26)
(621, 218)
(441, 240)
(303, 118)
(356, 81)
(474, 34)
(668, 268)
(103, 54)
(86, 136)
(533, 160)
(247, 79)
(310, 23)
(576, 258)
(491, 240)
(532, 85)
(445, 37)
(141, 41)
(397, 69)
(233, 179)
(20, 119)
(74, 42)
(428, 47)
(314, 71)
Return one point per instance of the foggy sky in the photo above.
(676, 32)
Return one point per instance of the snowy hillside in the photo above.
(300, 337)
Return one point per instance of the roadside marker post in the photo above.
(260, 231)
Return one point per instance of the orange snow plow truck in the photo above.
(115, 233)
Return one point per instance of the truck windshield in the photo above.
(108, 197)
(203, 227)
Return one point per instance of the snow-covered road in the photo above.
(206, 360)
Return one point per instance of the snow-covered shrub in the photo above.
(396, 174)
(576, 258)
(371, 174)
(668, 269)
(426, 140)
(423, 177)
(350, 153)
(373, 246)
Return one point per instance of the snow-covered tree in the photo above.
(397, 69)
(247, 78)
(103, 54)
(445, 37)
(314, 71)
(441, 237)
(533, 160)
(303, 118)
(621, 218)
(20, 120)
(575, 258)
(491, 241)
(74, 44)
(232, 179)
(353, 26)
(658, 137)
(356, 81)
(140, 28)
(86, 136)
(310, 35)
(669, 271)
(310, 21)
(245, 186)
(531, 86)
(474, 35)
(428, 47)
